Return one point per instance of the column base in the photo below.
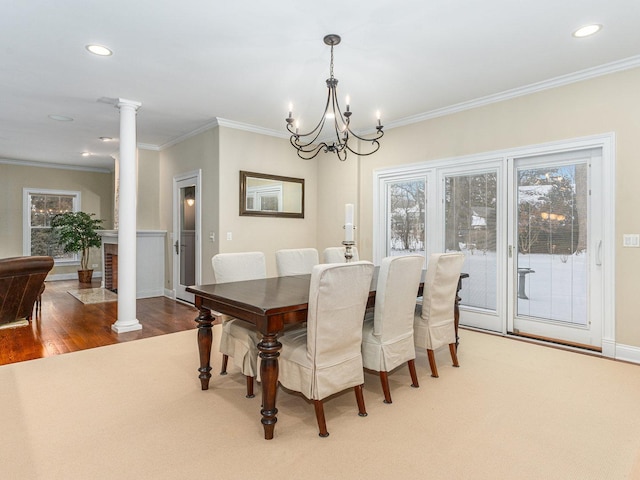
(131, 327)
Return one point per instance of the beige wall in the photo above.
(337, 186)
(240, 150)
(198, 152)
(96, 196)
(601, 105)
(148, 211)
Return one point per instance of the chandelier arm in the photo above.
(378, 136)
(373, 142)
(315, 152)
(295, 137)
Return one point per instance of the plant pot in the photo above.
(84, 276)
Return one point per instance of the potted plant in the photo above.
(77, 232)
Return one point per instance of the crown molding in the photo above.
(28, 163)
(148, 146)
(613, 67)
(251, 128)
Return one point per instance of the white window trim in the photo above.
(27, 192)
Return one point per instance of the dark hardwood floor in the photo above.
(67, 325)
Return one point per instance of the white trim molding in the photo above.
(626, 353)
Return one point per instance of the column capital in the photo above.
(123, 102)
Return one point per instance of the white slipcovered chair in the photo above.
(296, 261)
(387, 336)
(336, 255)
(239, 339)
(434, 319)
(326, 358)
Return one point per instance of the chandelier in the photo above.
(309, 145)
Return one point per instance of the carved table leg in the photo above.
(269, 352)
(205, 339)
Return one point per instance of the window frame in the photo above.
(27, 194)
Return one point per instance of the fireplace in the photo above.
(150, 254)
(110, 273)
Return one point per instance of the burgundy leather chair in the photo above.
(21, 284)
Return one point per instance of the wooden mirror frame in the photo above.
(244, 176)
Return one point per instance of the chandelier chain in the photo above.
(331, 64)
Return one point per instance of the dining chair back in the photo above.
(336, 255)
(326, 357)
(434, 321)
(387, 339)
(296, 261)
(236, 267)
(239, 340)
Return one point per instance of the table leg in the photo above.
(269, 352)
(456, 310)
(205, 339)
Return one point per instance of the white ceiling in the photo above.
(191, 62)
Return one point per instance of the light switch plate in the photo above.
(631, 240)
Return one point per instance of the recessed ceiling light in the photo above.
(86, 154)
(61, 118)
(587, 30)
(106, 139)
(99, 50)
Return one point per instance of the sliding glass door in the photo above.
(471, 221)
(536, 229)
(552, 261)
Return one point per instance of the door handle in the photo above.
(177, 245)
(599, 254)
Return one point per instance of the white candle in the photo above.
(348, 222)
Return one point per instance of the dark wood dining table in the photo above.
(270, 304)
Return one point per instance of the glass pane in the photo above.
(552, 243)
(406, 216)
(470, 228)
(38, 212)
(187, 236)
(43, 208)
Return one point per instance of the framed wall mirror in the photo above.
(263, 195)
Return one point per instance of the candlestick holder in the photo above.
(348, 254)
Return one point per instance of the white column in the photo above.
(127, 238)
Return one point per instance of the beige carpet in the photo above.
(135, 411)
(94, 295)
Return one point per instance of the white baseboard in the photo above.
(68, 276)
(627, 353)
(170, 293)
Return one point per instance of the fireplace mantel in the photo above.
(150, 253)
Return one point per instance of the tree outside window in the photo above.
(41, 207)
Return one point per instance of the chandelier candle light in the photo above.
(348, 232)
(309, 145)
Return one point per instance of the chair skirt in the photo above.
(385, 357)
(296, 370)
(240, 342)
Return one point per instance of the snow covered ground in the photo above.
(556, 289)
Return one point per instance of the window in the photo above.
(406, 204)
(39, 206)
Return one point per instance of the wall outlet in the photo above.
(229, 236)
(94, 265)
